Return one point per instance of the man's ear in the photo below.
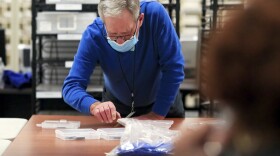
(141, 19)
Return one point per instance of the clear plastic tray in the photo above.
(59, 124)
(77, 134)
(111, 133)
(215, 123)
(158, 123)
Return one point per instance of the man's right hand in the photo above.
(104, 111)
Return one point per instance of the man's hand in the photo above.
(150, 116)
(105, 111)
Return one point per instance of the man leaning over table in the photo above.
(137, 47)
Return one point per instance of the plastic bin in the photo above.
(63, 22)
(72, 1)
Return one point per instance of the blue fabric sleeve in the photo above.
(74, 87)
(171, 62)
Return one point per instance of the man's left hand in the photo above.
(150, 116)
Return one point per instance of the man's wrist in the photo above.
(157, 116)
(92, 106)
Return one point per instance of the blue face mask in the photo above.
(126, 46)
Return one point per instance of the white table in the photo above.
(10, 127)
(4, 145)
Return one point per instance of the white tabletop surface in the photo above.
(10, 127)
(4, 145)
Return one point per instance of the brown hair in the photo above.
(243, 64)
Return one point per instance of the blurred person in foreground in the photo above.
(243, 70)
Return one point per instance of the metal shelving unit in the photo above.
(44, 91)
(52, 89)
(173, 9)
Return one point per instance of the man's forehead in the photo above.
(119, 28)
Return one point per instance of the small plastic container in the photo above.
(161, 123)
(52, 124)
(77, 134)
(111, 133)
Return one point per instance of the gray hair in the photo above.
(113, 8)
